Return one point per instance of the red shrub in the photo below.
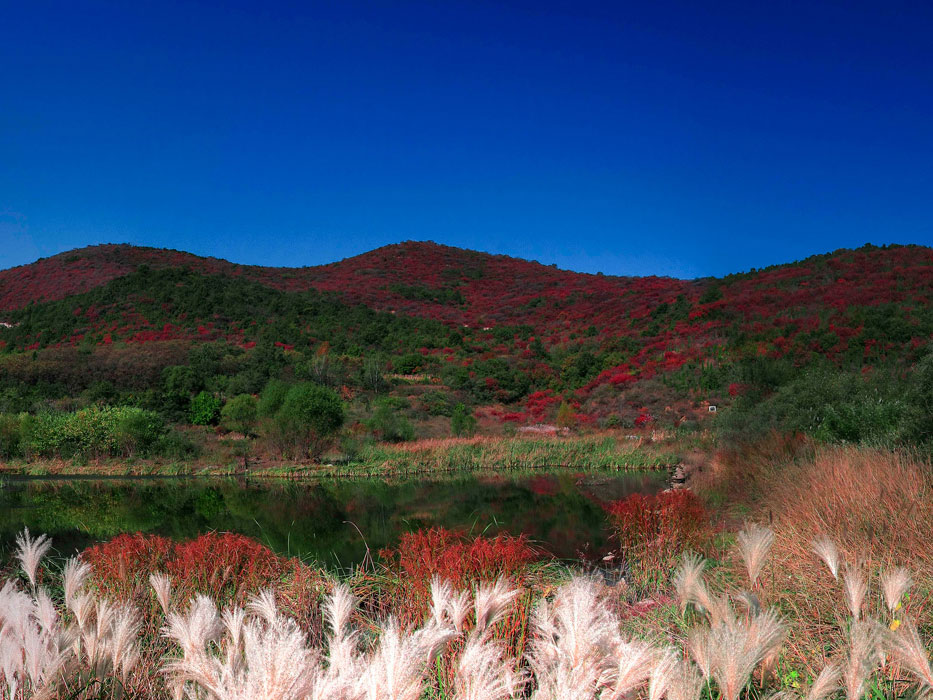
(225, 563)
(124, 563)
(454, 557)
(457, 558)
(224, 566)
(660, 525)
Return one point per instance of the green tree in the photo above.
(462, 423)
(372, 374)
(389, 424)
(205, 409)
(307, 421)
(239, 415)
(273, 396)
(566, 418)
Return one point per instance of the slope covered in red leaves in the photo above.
(854, 304)
(424, 279)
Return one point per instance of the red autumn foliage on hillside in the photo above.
(656, 326)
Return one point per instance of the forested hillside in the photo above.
(408, 334)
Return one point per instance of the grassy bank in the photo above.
(440, 456)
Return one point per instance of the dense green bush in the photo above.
(389, 423)
(91, 432)
(138, 432)
(437, 403)
(272, 398)
(240, 414)
(307, 420)
(176, 445)
(10, 436)
(462, 423)
(205, 409)
(832, 405)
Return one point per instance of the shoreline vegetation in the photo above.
(602, 452)
(791, 570)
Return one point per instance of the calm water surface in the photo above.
(330, 522)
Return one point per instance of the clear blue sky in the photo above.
(688, 139)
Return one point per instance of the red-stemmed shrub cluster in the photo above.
(461, 559)
(654, 529)
(225, 566)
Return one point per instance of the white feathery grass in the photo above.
(856, 587)
(730, 650)
(636, 661)
(74, 577)
(576, 650)
(700, 645)
(825, 684)
(441, 595)
(574, 638)
(755, 543)
(491, 604)
(338, 610)
(396, 669)
(263, 604)
(194, 629)
(42, 653)
(162, 587)
(30, 552)
(863, 658)
(484, 672)
(826, 550)
(82, 606)
(908, 648)
(684, 682)
(689, 584)
(690, 588)
(895, 584)
(123, 648)
(458, 609)
(660, 676)
(44, 612)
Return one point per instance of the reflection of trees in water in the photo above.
(561, 512)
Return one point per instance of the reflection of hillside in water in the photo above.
(322, 520)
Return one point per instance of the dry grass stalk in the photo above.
(577, 651)
(30, 552)
(730, 650)
(909, 649)
(856, 587)
(685, 681)
(825, 684)
(895, 584)
(162, 587)
(755, 543)
(691, 589)
(44, 656)
(826, 550)
(864, 656)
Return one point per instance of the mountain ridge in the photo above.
(454, 285)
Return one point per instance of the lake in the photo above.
(331, 522)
